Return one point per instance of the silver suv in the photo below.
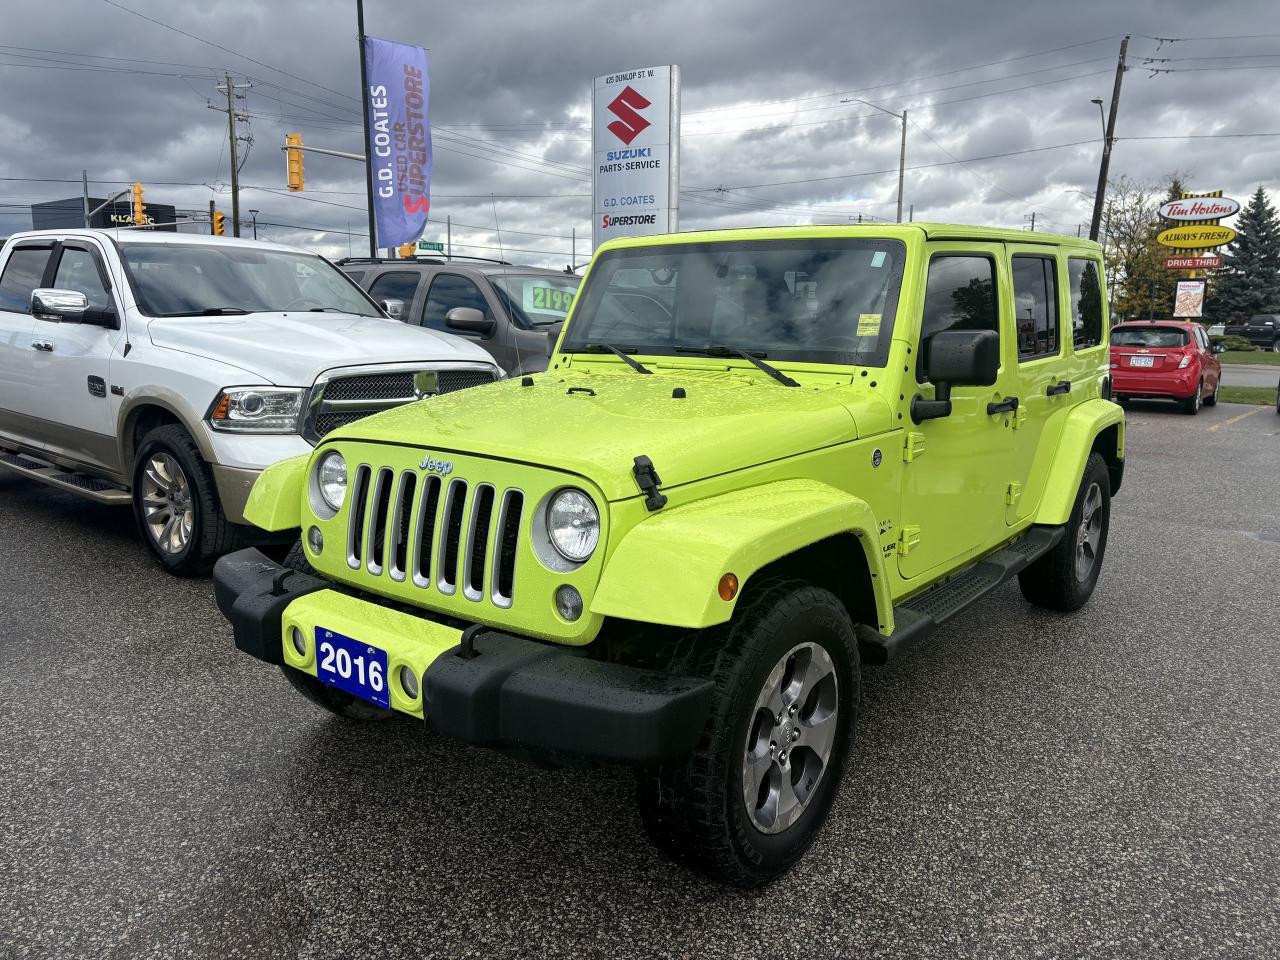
(513, 312)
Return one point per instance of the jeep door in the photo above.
(74, 368)
(23, 271)
(953, 493)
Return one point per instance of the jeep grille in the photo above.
(437, 533)
(345, 400)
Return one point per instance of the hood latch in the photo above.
(647, 478)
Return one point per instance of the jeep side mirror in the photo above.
(956, 358)
(393, 308)
(468, 320)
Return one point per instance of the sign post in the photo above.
(635, 143)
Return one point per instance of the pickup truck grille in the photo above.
(437, 533)
(345, 400)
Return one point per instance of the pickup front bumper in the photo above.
(508, 692)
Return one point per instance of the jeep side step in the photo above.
(94, 488)
(920, 616)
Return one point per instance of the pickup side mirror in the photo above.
(469, 320)
(957, 358)
(48, 303)
(393, 308)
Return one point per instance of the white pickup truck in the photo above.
(168, 370)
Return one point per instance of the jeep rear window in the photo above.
(1148, 337)
(817, 300)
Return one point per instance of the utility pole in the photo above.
(573, 255)
(84, 179)
(229, 87)
(448, 237)
(902, 163)
(1033, 221)
(1108, 142)
(364, 107)
(212, 208)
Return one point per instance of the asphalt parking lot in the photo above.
(1028, 785)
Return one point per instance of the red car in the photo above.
(1167, 359)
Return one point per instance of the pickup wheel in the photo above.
(176, 504)
(322, 695)
(1064, 578)
(746, 805)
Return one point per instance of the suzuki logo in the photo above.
(629, 124)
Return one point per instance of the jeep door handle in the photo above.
(1007, 405)
(44, 346)
(1062, 386)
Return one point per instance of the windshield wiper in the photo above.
(212, 312)
(635, 365)
(721, 350)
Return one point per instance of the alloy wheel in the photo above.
(1089, 533)
(791, 737)
(167, 510)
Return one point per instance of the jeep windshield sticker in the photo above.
(868, 324)
(543, 298)
(877, 258)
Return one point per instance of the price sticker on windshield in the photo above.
(541, 298)
(869, 324)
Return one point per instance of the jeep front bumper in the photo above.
(513, 694)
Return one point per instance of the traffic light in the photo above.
(406, 250)
(219, 225)
(139, 210)
(293, 161)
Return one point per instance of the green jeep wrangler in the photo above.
(759, 460)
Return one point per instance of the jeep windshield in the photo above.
(212, 279)
(536, 300)
(821, 300)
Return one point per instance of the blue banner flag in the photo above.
(399, 139)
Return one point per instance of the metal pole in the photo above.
(235, 173)
(84, 177)
(1108, 142)
(911, 213)
(573, 254)
(364, 106)
(1033, 221)
(448, 237)
(902, 163)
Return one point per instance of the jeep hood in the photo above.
(292, 349)
(596, 425)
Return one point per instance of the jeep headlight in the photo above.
(257, 410)
(331, 480)
(573, 525)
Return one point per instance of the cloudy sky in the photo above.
(771, 133)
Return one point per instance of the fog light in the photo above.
(299, 642)
(409, 682)
(315, 539)
(568, 602)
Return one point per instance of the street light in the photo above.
(1101, 113)
(902, 152)
(254, 215)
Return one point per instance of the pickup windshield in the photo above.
(209, 279)
(820, 300)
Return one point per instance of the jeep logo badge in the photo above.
(426, 383)
(442, 467)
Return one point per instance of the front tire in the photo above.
(751, 799)
(1064, 578)
(175, 502)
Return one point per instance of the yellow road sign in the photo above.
(1196, 237)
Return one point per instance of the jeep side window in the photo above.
(22, 274)
(1035, 306)
(960, 295)
(396, 285)
(77, 270)
(1086, 302)
(449, 290)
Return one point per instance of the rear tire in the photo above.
(1212, 399)
(175, 502)
(1061, 579)
(1191, 405)
(329, 698)
(752, 797)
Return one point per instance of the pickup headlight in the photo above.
(573, 525)
(331, 480)
(257, 410)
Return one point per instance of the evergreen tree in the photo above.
(1249, 280)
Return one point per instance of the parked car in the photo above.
(1216, 330)
(1262, 330)
(1165, 359)
(791, 452)
(168, 370)
(513, 312)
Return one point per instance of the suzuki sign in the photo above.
(635, 139)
